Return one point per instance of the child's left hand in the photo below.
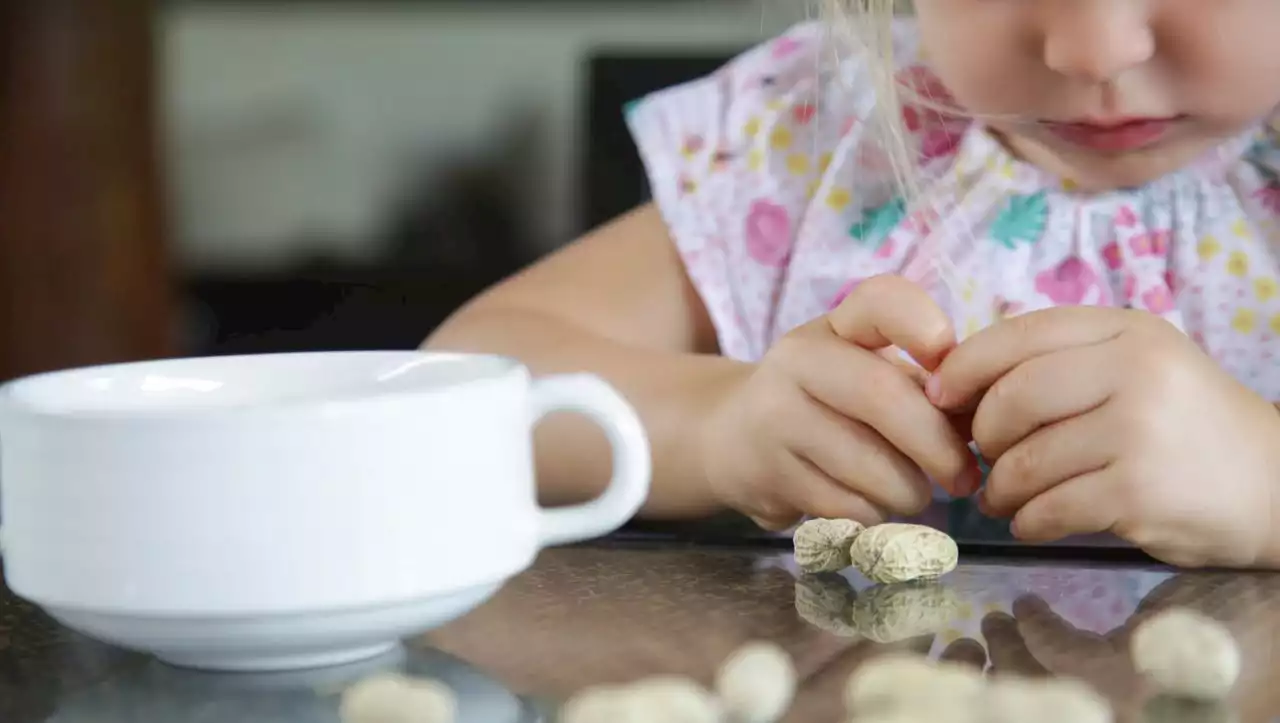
(1099, 419)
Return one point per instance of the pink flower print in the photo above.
(940, 133)
(846, 126)
(939, 143)
(911, 119)
(785, 46)
(1069, 283)
(1171, 280)
(1158, 300)
(768, 231)
(803, 113)
(693, 145)
(1130, 288)
(1126, 217)
(1269, 197)
(1112, 256)
(1154, 243)
(886, 248)
(924, 83)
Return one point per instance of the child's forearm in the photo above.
(670, 391)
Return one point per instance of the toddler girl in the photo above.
(1044, 226)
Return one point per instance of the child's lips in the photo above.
(1114, 135)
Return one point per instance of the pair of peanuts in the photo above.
(888, 553)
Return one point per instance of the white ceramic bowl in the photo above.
(283, 511)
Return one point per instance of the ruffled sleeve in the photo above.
(735, 161)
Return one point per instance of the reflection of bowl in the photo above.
(261, 643)
(160, 693)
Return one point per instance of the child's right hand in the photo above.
(832, 424)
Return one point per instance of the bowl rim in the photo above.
(32, 396)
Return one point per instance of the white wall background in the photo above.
(287, 126)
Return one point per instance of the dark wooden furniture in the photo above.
(83, 270)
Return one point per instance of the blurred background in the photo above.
(221, 176)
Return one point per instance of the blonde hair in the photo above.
(868, 26)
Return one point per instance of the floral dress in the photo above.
(780, 202)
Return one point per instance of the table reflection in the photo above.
(586, 616)
(605, 616)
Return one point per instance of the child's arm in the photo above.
(617, 303)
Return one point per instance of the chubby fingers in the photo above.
(888, 421)
(855, 455)
(1082, 505)
(973, 366)
(914, 372)
(1046, 422)
(886, 311)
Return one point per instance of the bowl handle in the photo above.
(594, 398)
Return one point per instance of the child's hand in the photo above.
(1111, 420)
(826, 426)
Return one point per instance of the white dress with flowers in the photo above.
(780, 202)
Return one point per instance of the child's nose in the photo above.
(1096, 40)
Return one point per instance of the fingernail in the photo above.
(983, 505)
(933, 390)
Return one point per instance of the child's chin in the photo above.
(1096, 172)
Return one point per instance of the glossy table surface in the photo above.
(590, 615)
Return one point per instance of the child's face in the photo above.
(1075, 75)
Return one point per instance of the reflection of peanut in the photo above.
(390, 698)
(823, 545)
(757, 683)
(825, 601)
(891, 613)
(1186, 654)
(898, 552)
